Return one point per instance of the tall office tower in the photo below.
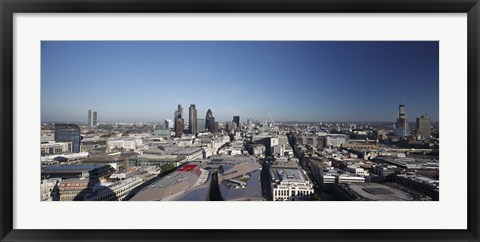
(179, 112)
(178, 121)
(424, 126)
(236, 119)
(210, 122)
(179, 126)
(192, 119)
(90, 119)
(68, 133)
(94, 119)
(200, 125)
(169, 124)
(402, 123)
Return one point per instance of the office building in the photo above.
(210, 122)
(179, 112)
(289, 182)
(179, 123)
(192, 119)
(68, 133)
(236, 119)
(402, 123)
(424, 127)
(92, 118)
(179, 127)
(55, 148)
(200, 125)
(169, 124)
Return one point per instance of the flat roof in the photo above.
(379, 192)
(70, 168)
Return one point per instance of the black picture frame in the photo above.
(9, 7)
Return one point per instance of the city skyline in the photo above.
(291, 81)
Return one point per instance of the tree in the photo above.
(168, 167)
(314, 197)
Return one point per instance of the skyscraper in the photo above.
(68, 133)
(94, 119)
(90, 118)
(210, 122)
(402, 123)
(424, 126)
(178, 121)
(236, 119)
(192, 119)
(200, 125)
(179, 112)
(169, 124)
(179, 127)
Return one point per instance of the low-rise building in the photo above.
(424, 185)
(115, 192)
(289, 182)
(53, 147)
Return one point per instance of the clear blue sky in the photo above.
(294, 81)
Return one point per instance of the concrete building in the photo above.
(192, 119)
(92, 118)
(401, 125)
(424, 185)
(424, 127)
(370, 192)
(169, 124)
(192, 153)
(125, 144)
(74, 189)
(53, 147)
(145, 160)
(178, 120)
(348, 178)
(200, 125)
(115, 192)
(356, 170)
(47, 136)
(77, 171)
(289, 182)
(161, 133)
(336, 140)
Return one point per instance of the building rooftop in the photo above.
(379, 192)
(69, 168)
(288, 175)
(182, 180)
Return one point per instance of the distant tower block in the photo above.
(192, 119)
(178, 120)
(236, 119)
(92, 118)
(210, 122)
(424, 126)
(402, 123)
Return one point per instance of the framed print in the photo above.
(265, 120)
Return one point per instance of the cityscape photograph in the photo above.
(298, 121)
